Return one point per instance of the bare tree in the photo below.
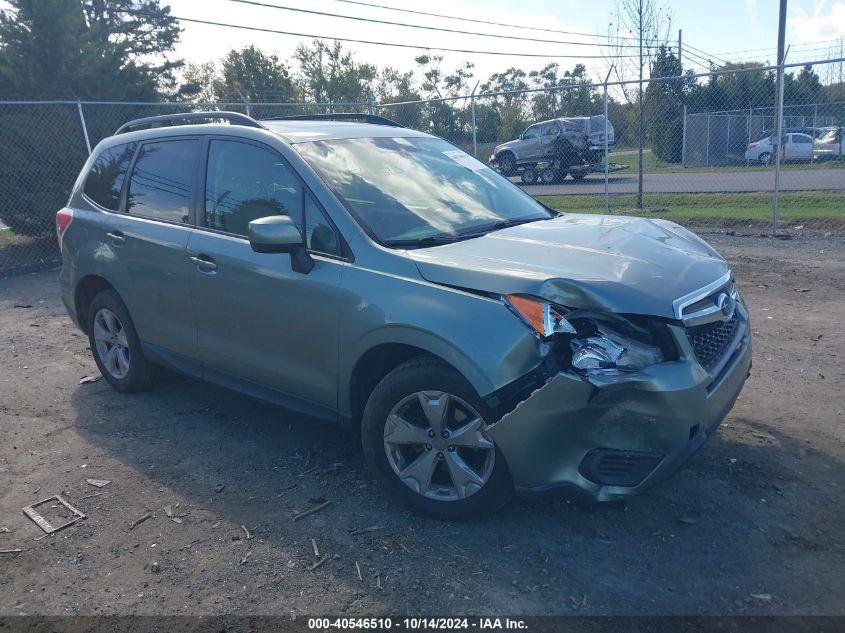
(644, 24)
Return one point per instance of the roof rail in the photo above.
(164, 120)
(339, 116)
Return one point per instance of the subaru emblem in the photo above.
(726, 304)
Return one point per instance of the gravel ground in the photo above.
(751, 525)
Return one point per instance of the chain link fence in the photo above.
(710, 151)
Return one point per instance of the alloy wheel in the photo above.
(111, 343)
(437, 445)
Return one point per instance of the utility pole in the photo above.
(640, 113)
(778, 144)
(680, 48)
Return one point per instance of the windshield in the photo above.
(413, 190)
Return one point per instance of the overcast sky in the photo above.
(718, 27)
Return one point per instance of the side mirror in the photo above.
(278, 234)
(274, 234)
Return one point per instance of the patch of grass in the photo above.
(811, 209)
(6, 235)
(652, 165)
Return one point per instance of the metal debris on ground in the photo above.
(140, 520)
(305, 513)
(3, 529)
(10, 551)
(43, 523)
(246, 557)
(315, 548)
(168, 510)
(88, 379)
(248, 535)
(99, 483)
(219, 488)
(22, 305)
(358, 569)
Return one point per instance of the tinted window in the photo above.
(162, 180)
(801, 138)
(245, 182)
(319, 234)
(105, 180)
(550, 129)
(532, 132)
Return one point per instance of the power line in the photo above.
(420, 26)
(711, 55)
(450, 17)
(370, 42)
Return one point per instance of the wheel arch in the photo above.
(385, 353)
(86, 289)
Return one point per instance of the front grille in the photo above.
(709, 341)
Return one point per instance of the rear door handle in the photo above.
(117, 238)
(204, 264)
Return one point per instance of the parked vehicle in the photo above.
(830, 145)
(356, 271)
(561, 146)
(796, 147)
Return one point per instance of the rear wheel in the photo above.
(764, 158)
(115, 345)
(424, 435)
(529, 175)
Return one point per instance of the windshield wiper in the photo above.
(422, 242)
(497, 226)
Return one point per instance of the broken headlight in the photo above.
(541, 316)
(607, 351)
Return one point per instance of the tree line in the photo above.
(123, 50)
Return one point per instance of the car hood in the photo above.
(499, 148)
(626, 265)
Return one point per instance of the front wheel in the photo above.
(764, 158)
(507, 164)
(424, 434)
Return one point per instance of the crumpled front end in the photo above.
(606, 435)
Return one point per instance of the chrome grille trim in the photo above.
(708, 314)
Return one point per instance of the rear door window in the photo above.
(161, 186)
(104, 182)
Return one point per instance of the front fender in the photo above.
(479, 336)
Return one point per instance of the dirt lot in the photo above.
(752, 524)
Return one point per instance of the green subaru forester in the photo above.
(353, 270)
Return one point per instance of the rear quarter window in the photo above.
(104, 182)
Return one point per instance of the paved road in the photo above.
(696, 182)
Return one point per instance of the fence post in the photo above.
(84, 127)
(779, 146)
(244, 99)
(606, 152)
(684, 134)
(707, 144)
(371, 102)
(728, 140)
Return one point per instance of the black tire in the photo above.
(529, 175)
(764, 158)
(551, 176)
(140, 373)
(579, 175)
(414, 376)
(507, 163)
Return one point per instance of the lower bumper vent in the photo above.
(610, 467)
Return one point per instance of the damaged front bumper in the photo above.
(605, 437)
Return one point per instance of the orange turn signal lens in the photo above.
(532, 311)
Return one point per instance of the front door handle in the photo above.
(204, 264)
(117, 238)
